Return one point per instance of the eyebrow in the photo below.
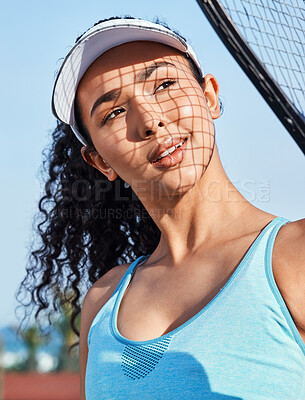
(140, 77)
(144, 75)
(109, 96)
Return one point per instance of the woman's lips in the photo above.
(172, 159)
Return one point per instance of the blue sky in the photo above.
(257, 153)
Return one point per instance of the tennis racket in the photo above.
(266, 38)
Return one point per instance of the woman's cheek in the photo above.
(122, 153)
(187, 111)
(192, 116)
(108, 138)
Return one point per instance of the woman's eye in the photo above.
(165, 84)
(113, 114)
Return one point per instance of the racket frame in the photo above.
(284, 109)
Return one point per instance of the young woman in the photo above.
(212, 304)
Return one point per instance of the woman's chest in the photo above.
(150, 309)
(145, 316)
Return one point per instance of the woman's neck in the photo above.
(207, 214)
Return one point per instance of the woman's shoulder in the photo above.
(100, 292)
(289, 269)
(96, 297)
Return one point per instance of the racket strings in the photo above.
(274, 30)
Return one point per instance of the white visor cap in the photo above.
(95, 42)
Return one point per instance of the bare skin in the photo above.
(206, 224)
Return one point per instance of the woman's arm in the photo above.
(96, 297)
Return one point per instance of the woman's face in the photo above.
(138, 96)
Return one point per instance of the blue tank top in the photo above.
(242, 345)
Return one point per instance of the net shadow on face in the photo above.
(146, 104)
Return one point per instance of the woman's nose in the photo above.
(150, 118)
(154, 128)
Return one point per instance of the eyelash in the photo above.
(108, 116)
(167, 83)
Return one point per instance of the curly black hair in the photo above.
(86, 226)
